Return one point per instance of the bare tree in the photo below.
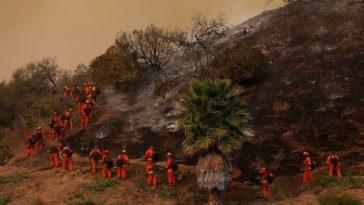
(200, 39)
(36, 77)
(153, 46)
(48, 70)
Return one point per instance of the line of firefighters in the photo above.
(85, 100)
(332, 160)
(122, 162)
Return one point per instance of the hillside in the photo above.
(310, 97)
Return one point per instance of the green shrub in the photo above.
(243, 64)
(14, 178)
(115, 67)
(100, 185)
(333, 199)
(5, 199)
(327, 181)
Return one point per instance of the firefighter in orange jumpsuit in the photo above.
(67, 158)
(170, 172)
(152, 177)
(307, 175)
(266, 188)
(122, 162)
(107, 164)
(30, 142)
(333, 161)
(95, 155)
(86, 113)
(67, 121)
(149, 156)
(86, 88)
(39, 139)
(66, 92)
(53, 124)
(54, 156)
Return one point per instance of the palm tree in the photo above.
(214, 117)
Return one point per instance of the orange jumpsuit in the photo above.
(170, 175)
(121, 171)
(307, 175)
(30, 147)
(85, 117)
(66, 92)
(106, 171)
(86, 89)
(79, 106)
(333, 168)
(67, 121)
(54, 156)
(67, 160)
(266, 188)
(152, 177)
(149, 157)
(52, 131)
(94, 161)
(39, 144)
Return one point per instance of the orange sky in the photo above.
(75, 31)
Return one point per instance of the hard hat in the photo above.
(305, 153)
(39, 128)
(169, 154)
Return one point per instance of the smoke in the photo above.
(77, 31)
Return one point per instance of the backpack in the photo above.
(155, 157)
(87, 111)
(63, 117)
(33, 140)
(109, 163)
(96, 155)
(313, 165)
(68, 153)
(270, 177)
(53, 149)
(58, 129)
(52, 123)
(174, 166)
(155, 168)
(334, 161)
(120, 162)
(82, 98)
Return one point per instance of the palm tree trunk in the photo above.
(214, 197)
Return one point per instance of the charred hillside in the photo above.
(311, 94)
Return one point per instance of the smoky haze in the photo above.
(75, 31)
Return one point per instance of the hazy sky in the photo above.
(75, 31)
